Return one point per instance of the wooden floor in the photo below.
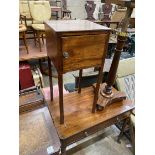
(78, 115)
(34, 52)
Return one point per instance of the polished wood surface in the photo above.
(121, 39)
(78, 115)
(83, 51)
(107, 95)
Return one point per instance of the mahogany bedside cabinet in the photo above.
(75, 45)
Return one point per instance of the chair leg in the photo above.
(34, 34)
(132, 135)
(122, 130)
(38, 36)
(70, 16)
(63, 151)
(24, 38)
(42, 36)
(131, 131)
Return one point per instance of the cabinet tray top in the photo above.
(74, 25)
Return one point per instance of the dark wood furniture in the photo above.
(107, 9)
(80, 122)
(113, 37)
(90, 8)
(57, 9)
(130, 4)
(22, 35)
(107, 22)
(66, 13)
(106, 95)
(124, 126)
(75, 45)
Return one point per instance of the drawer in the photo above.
(94, 129)
(83, 51)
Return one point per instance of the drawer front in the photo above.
(94, 129)
(83, 51)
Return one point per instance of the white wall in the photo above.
(78, 8)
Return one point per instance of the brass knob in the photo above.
(66, 55)
(86, 134)
(118, 119)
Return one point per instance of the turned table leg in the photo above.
(63, 151)
(107, 95)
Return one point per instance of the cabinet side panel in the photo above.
(51, 44)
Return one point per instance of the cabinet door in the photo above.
(83, 51)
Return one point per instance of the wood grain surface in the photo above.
(78, 114)
(83, 51)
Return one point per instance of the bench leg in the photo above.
(63, 151)
(122, 130)
(132, 135)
